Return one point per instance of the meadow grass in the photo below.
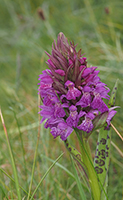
(28, 151)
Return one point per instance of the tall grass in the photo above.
(24, 37)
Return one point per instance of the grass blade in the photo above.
(45, 176)
(3, 190)
(12, 159)
(60, 166)
(81, 191)
(22, 145)
(36, 150)
(13, 180)
(33, 168)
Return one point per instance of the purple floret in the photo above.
(72, 91)
(62, 130)
(73, 118)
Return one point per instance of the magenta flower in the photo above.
(73, 118)
(72, 93)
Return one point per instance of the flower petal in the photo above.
(86, 125)
(99, 104)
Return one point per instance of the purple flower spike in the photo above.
(72, 93)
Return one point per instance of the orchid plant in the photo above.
(73, 102)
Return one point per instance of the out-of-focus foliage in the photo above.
(27, 30)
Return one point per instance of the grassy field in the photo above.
(27, 30)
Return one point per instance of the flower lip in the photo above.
(85, 100)
(72, 91)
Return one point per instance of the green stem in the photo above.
(87, 160)
(95, 188)
(77, 156)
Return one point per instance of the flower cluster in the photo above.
(72, 93)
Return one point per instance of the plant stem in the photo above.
(95, 188)
(87, 160)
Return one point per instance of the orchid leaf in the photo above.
(101, 160)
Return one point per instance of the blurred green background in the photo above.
(27, 30)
